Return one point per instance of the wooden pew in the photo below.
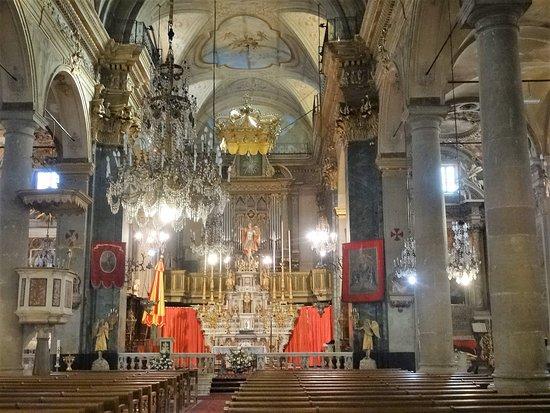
(376, 391)
(117, 392)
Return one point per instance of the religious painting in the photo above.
(250, 165)
(247, 42)
(166, 345)
(363, 271)
(108, 264)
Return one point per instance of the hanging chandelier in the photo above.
(405, 265)
(165, 174)
(463, 261)
(212, 240)
(247, 131)
(322, 239)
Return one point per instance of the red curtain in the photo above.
(311, 331)
(182, 324)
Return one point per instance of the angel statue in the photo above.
(250, 239)
(370, 328)
(101, 331)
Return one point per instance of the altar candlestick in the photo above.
(289, 255)
(220, 285)
(289, 267)
(274, 291)
(282, 262)
(211, 283)
(273, 248)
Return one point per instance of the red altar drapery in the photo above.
(182, 324)
(311, 330)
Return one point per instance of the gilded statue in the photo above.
(250, 239)
(230, 281)
(247, 303)
(264, 279)
(370, 329)
(102, 328)
(101, 333)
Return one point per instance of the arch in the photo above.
(65, 108)
(16, 53)
(428, 31)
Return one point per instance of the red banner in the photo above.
(108, 264)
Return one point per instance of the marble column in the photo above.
(542, 194)
(14, 227)
(432, 295)
(515, 266)
(342, 228)
(401, 334)
(71, 233)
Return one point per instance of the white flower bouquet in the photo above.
(163, 362)
(239, 360)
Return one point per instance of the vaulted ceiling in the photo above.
(266, 48)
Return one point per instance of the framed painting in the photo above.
(363, 271)
(108, 264)
(166, 345)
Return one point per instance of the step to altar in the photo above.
(204, 384)
(226, 384)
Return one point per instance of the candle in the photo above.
(57, 354)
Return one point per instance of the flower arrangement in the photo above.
(239, 360)
(163, 362)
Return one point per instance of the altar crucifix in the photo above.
(250, 239)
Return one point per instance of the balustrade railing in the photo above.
(205, 362)
(317, 360)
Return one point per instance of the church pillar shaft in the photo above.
(433, 302)
(14, 229)
(341, 212)
(401, 335)
(514, 263)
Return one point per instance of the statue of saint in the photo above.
(230, 281)
(247, 303)
(101, 336)
(370, 328)
(264, 280)
(250, 239)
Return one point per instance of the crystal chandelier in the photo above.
(405, 265)
(247, 131)
(463, 262)
(165, 174)
(322, 239)
(212, 240)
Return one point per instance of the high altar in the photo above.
(251, 318)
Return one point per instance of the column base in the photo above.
(437, 368)
(537, 383)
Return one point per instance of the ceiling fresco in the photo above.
(266, 48)
(246, 42)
